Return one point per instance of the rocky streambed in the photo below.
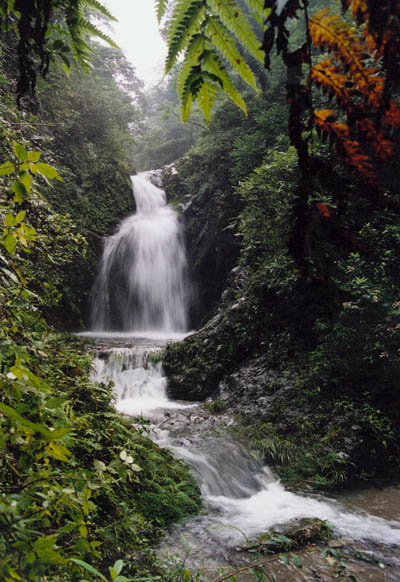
(248, 514)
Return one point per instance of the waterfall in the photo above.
(142, 282)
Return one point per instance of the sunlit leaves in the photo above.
(185, 22)
(237, 22)
(6, 168)
(47, 171)
(225, 43)
(161, 7)
(198, 29)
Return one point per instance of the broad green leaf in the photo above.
(58, 451)
(296, 561)
(59, 433)
(33, 156)
(20, 216)
(119, 564)
(66, 69)
(47, 171)
(6, 168)
(10, 243)
(19, 191)
(14, 415)
(89, 568)
(26, 181)
(20, 151)
(55, 402)
(9, 220)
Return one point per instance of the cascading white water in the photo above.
(141, 291)
(244, 498)
(142, 282)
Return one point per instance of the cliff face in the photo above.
(270, 350)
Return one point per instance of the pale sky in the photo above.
(136, 32)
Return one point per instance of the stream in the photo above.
(140, 302)
(242, 498)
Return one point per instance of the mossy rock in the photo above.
(294, 535)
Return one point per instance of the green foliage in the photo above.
(51, 32)
(207, 33)
(79, 484)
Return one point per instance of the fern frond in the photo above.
(391, 117)
(237, 22)
(192, 56)
(383, 148)
(161, 8)
(359, 9)
(222, 39)
(206, 98)
(185, 22)
(258, 11)
(213, 64)
(332, 81)
(349, 150)
(87, 27)
(191, 87)
(331, 32)
(98, 7)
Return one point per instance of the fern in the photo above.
(331, 32)
(213, 64)
(87, 27)
(98, 7)
(192, 57)
(225, 43)
(201, 29)
(206, 98)
(236, 21)
(161, 8)
(259, 13)
(184, 24)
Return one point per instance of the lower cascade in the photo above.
(242, 497)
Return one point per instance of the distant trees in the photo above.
(53, 30)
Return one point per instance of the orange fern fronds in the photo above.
(331, 32)
(391, 117)
(382, 148)
(332, 81)
(349, 150)
(359, 9)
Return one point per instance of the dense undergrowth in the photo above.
(336, 331)
(83, 492)
(78, 481)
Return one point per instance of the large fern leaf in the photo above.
(161, 8)
(225, 43)
(213, 64)
(192, 57)
(87, 27)
(237, 22)
(258, 11)
(98, 7)
(184, 24)
(206, 98)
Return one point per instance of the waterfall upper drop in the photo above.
(142, 282)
